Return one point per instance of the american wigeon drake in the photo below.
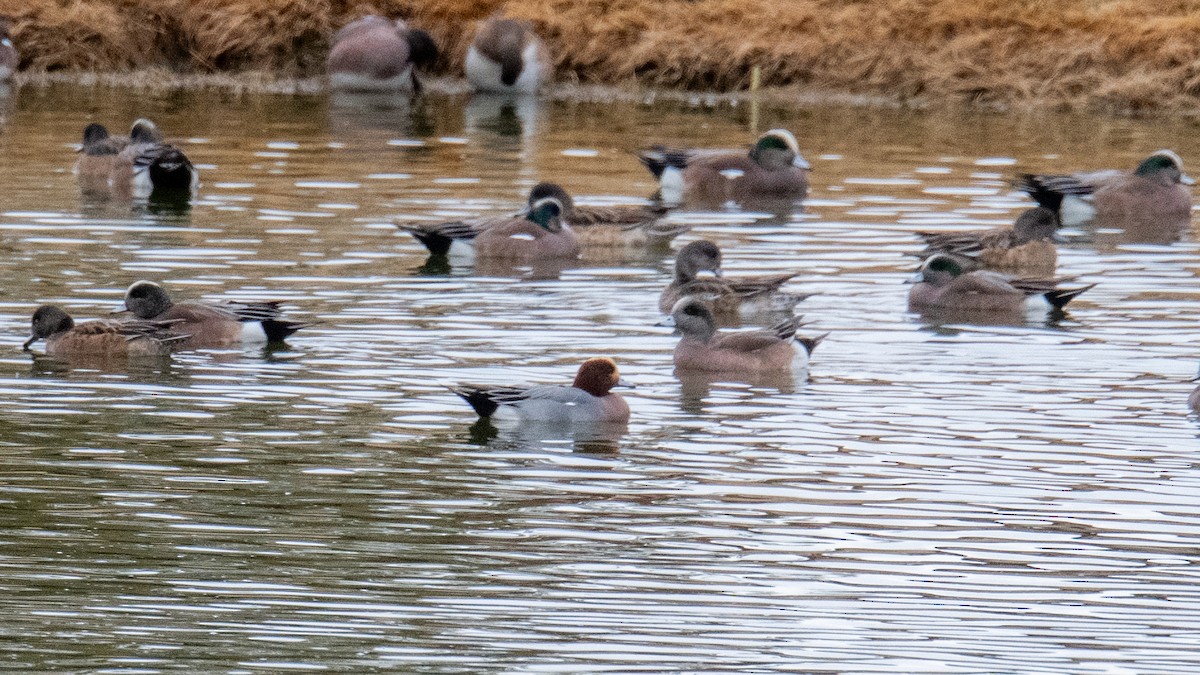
(539, 234)
(100, 337)
(942, 284)
(1027, 246)
(748, 352)
(633, 226)
(746, 295)
(589, 400)
(507, 57)
(8, 52)
(1157, 189)
(150, 165)
(210, 325)
(377, 54)
(773, 169)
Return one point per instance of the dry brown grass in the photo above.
(1116, 54)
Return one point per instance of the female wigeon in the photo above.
(8, 52)
(101, 338)
(633, 226)
(540, 234)
(1027, 246)
(97, 156)
(748, 352)
(507, 57)
(943, 284)
(747, 295)
(773, 169)
(588, 400)
(148, 165)
(377, 54)
(210, 325)
(1156, 191)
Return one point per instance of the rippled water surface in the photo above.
(990, 497)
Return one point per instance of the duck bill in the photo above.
(622, 382)
(1186, 179)
(121, 309)
(801, 163)
(916, 278)
(668, 322)
(29, 343)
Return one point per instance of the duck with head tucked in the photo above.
(378, 54)
(589, 399)
(746, 353)
(726, 296)
(507, 57)
(97, 157)
(100, 338)
(1157, 191)
(773, 169)
(210, 325)
(943, 284)
(148, 165)
(539, 234)
(8, 52)
(1026, 247)
(633, 226)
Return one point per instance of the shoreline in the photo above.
(1115, 57)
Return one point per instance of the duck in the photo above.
(100, 337)
(943, 284)
(773, 169)
(539, 234)
(210, 325)
(626, 226)
(149, 165)
(748, 295)
(98, 156)
(507, 57)
(704, 348)
(9, 59)
(1157, 190)
(1026, 246)
(375, 53)
(589, 399)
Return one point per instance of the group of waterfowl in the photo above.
(974, 271)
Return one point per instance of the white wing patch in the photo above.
(523, 237)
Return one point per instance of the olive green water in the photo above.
(961, 498)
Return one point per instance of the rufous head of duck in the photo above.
(598, 376)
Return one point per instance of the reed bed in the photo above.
(1111, 54)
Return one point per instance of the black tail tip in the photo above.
(278, 330)
(478, 399)
(1059, 298)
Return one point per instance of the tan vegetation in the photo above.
(1113, 54)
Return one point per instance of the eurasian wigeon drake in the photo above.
(1026, 247)
(589, 400)
(749, 352)
(773, 169)
(747, 295)
(101, 338)
(377, 54)
(539, 234)
(942, 284)
(1156, 191)
(210, 325)
(149, 165)
(8, 52)
(633, 226)
(507, 57)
